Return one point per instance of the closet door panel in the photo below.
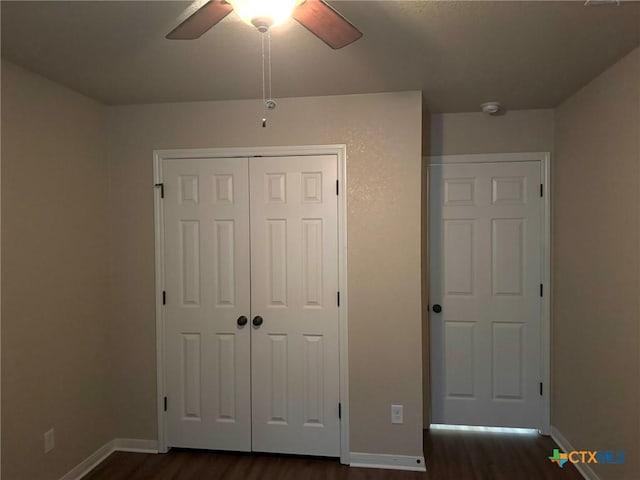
(206, 253)
(294, 281)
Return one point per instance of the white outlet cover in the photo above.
(397, 414)
(49, 440)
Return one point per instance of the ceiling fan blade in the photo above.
(326, 23)
(199, 17)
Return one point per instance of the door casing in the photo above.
(544, 158)
(243, 152)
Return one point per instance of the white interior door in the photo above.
(485, 261)
(294, 279)
(252, 238)
(207, 354)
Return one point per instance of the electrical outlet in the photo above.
(49, 440)
(397, 415)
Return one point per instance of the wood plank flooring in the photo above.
(492, 456)
(449, 455)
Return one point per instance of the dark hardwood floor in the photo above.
(449, 455)
(492, 456)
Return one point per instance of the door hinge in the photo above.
(161, 187)
(164, 297)
(541, 290)
(337, 187)
(338, 298)
(165, 404)
(540, 388)
(339, 410)
(541, 190)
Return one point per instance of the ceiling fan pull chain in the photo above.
(270, 103)
(269, 45)
(264, 100)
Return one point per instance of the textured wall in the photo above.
(54, 277)
(596, 313)
(383, 137)
(476, 132)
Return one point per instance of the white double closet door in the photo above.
(255, 240)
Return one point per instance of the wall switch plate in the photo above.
(49, 440)
(397, 415)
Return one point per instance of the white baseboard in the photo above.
(115, 445)
(90, 462)
(585, 470)
(362, 460)
(390, 462)
(135, 445)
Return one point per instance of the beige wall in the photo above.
(424, 266)
(383, 137)
(476, 132)
(54, 270)
(596, 313)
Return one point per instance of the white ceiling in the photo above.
(460, 54)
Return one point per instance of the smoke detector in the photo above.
(491, 108)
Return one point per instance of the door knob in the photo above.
(437, 308)
(257, 321)
(242, 321)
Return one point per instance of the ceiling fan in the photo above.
(315, 15)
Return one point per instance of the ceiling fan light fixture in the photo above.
(264, 14)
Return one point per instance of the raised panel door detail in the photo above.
(191, 359)
(226, 377)
(311, 187)
(224, 263)
(507, 360)
(458, 257)
(206, 277)
(459, 191)
(276, 188)
(277, 261)
(507, 265)
(188, 189)
(459, 356)
(279, 353)
(486, 262)
(294, 280)
(223, 189)
(190, 262)
(313, 380)
(508, 190)
(312, 262)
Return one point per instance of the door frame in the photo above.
(545, 332)
(340, 152)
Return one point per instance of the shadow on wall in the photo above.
(424, 267)
(477, 132)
